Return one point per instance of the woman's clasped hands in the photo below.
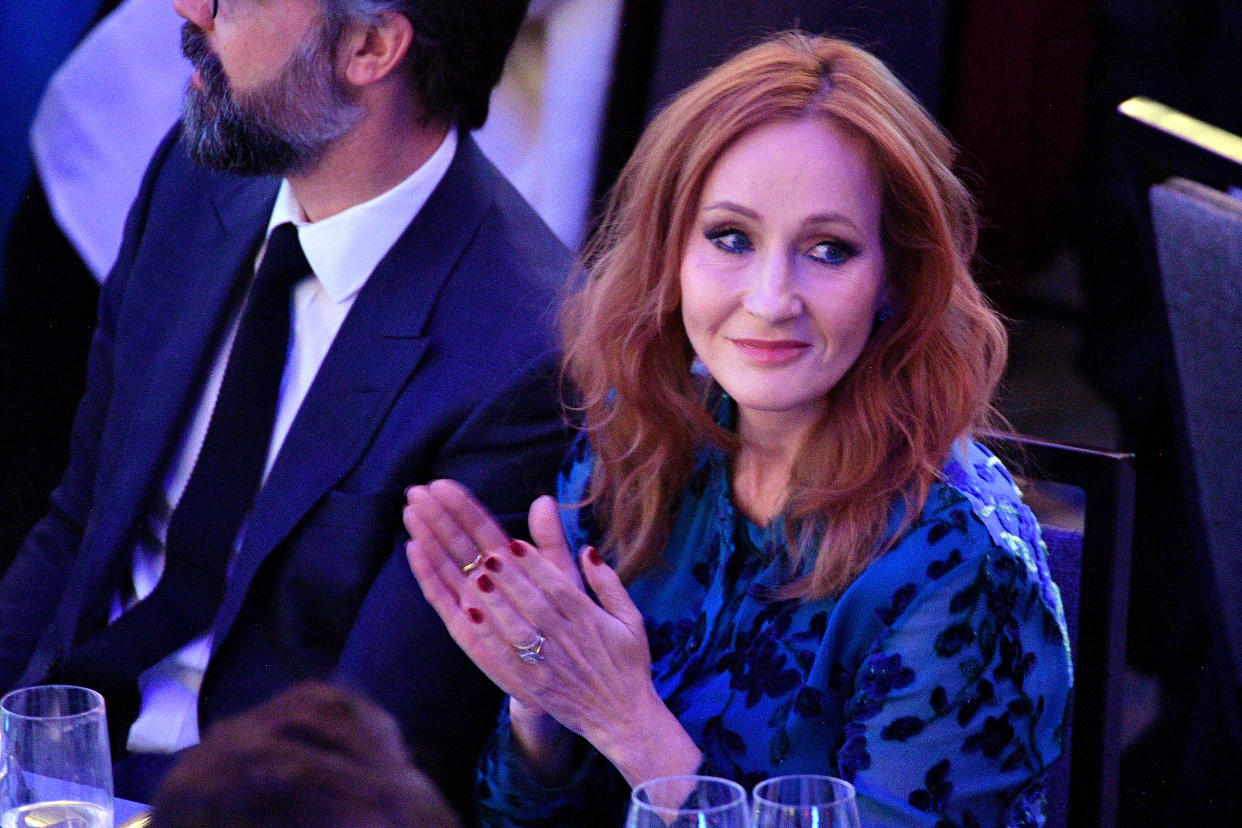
(523, 614)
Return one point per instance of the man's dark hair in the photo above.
(314, 756)
(458, 52)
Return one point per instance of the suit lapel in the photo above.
(370, 361)
(190, 315)
(196, 277)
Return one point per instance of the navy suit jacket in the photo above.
(444, 367)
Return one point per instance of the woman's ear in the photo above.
(373, 51)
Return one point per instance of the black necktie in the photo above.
(217, 496)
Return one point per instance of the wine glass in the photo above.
(688, 802)
(806, 801)
(55, 764)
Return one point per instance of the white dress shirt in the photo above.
(342, 251)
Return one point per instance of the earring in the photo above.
(883, 314)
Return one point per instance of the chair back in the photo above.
(1064, 563)
(1199, 245)
(1084, 500)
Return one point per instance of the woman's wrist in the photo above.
(654, 744)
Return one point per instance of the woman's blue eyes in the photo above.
(828, 252)
(832, 252)
(730, 241)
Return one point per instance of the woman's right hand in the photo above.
(525, 617)
(451, 535)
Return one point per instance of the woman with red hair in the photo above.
(793, 558)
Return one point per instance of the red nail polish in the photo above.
(517, 548)
(492, 564)
(485, 584)
(475, 615)
(594, 557)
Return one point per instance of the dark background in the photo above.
(1029, 89)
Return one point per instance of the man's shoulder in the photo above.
(512, 269)
(529, 247)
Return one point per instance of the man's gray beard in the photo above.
(281, 129)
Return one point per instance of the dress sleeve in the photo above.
(961, 703)
(595, 793)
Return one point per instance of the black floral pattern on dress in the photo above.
(838, 685)
(853, 756)
(936, 790)
(983, 633)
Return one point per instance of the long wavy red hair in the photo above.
(924, 379)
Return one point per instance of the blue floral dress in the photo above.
(938, 682)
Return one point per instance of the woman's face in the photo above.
(784, 269)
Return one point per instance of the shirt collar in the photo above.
(343, 249)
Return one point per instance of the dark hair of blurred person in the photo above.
(315, 755)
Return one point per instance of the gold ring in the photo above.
(473, 565)
(531, 653)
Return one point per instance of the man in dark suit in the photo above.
(188, 575)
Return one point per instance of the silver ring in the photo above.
(531, 653)
(473, 565)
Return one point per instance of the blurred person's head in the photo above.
(314, 755)
(921, 375)
(277, 82)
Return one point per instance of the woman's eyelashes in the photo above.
(831, 251)
(729, 239)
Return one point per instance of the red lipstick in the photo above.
(771, 351)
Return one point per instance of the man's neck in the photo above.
(380, 152)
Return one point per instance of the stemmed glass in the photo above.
(55, 765)
(805, 801)
(688, 802)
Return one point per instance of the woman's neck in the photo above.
(763, 467)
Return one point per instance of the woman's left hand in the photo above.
(539, 635)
